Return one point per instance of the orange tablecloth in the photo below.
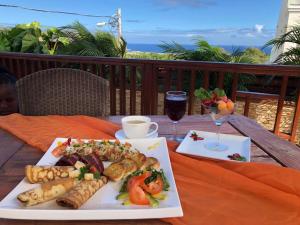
(223, 193)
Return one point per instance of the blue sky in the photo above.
(221, 22)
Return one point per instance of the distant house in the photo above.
(289, 16)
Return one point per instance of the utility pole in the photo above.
(115, 22)
(119, 22)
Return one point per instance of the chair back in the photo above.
(63, 91)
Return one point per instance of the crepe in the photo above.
(79, 194)
(41, 174)
(47, 191)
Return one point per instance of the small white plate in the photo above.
(236, 144)
(121, 135)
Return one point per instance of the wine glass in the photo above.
(175, 105)
(219, 117)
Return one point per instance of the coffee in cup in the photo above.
(138, 126)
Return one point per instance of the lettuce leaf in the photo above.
(219, 92)
(202, 94)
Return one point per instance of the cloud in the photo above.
(259, 28)
(220, 35)
(236, 32)
(171, 4)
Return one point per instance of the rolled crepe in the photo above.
(41, 174)
(79, 194)
(47, 191)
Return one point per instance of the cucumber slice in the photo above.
(122, 196)
(126, 202)
(160, 196)
(153, 202)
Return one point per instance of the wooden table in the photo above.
(266, 147)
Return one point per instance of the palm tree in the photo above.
(207, 52)
(204, 51)
(292, 55)
(83, 42)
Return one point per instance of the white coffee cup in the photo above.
(138, 126)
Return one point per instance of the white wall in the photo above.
(289, 16)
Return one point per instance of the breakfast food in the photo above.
(216, 98)
(118, 170)
(115, 171)
(151, 163)
(47, 191)
(73, 159)
(144, 188)
(79, 173)
(39, 174)
(105, 150)
(79, 194)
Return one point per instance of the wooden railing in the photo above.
(151, 77)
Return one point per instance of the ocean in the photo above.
(156, 48)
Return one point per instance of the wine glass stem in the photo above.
(218, 135)
(175, 129)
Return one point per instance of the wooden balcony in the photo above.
(151, 78)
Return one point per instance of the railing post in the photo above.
(122, 87)
(132, 90)
(191, 100)
(247, 106)
(112, 85)
(284, 84)
(234, 86)
(148, 90)
(296, 116)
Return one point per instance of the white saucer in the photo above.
(121, 135)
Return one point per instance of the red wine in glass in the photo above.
(175, 105)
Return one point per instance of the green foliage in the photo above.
(206, 52)
(149, 55)
(74, 39)
(4, 41)
(27, 38)
(83, 42)
(257, 56)
(292, 55)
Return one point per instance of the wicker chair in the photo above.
(63, 91)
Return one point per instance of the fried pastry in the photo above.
(79, 194)
(42, 174)
(47, 191)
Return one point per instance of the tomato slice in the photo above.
(59, 150)
(136, 193)
(154, 187)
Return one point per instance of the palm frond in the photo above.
(176, 49)
(292, 36)
(77, 31)
(290, 57)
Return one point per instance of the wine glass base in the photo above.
(215, 146)
(178, 139)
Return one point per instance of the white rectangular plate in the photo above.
(102, 205)
(236, 144)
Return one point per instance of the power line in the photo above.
(52, 11)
